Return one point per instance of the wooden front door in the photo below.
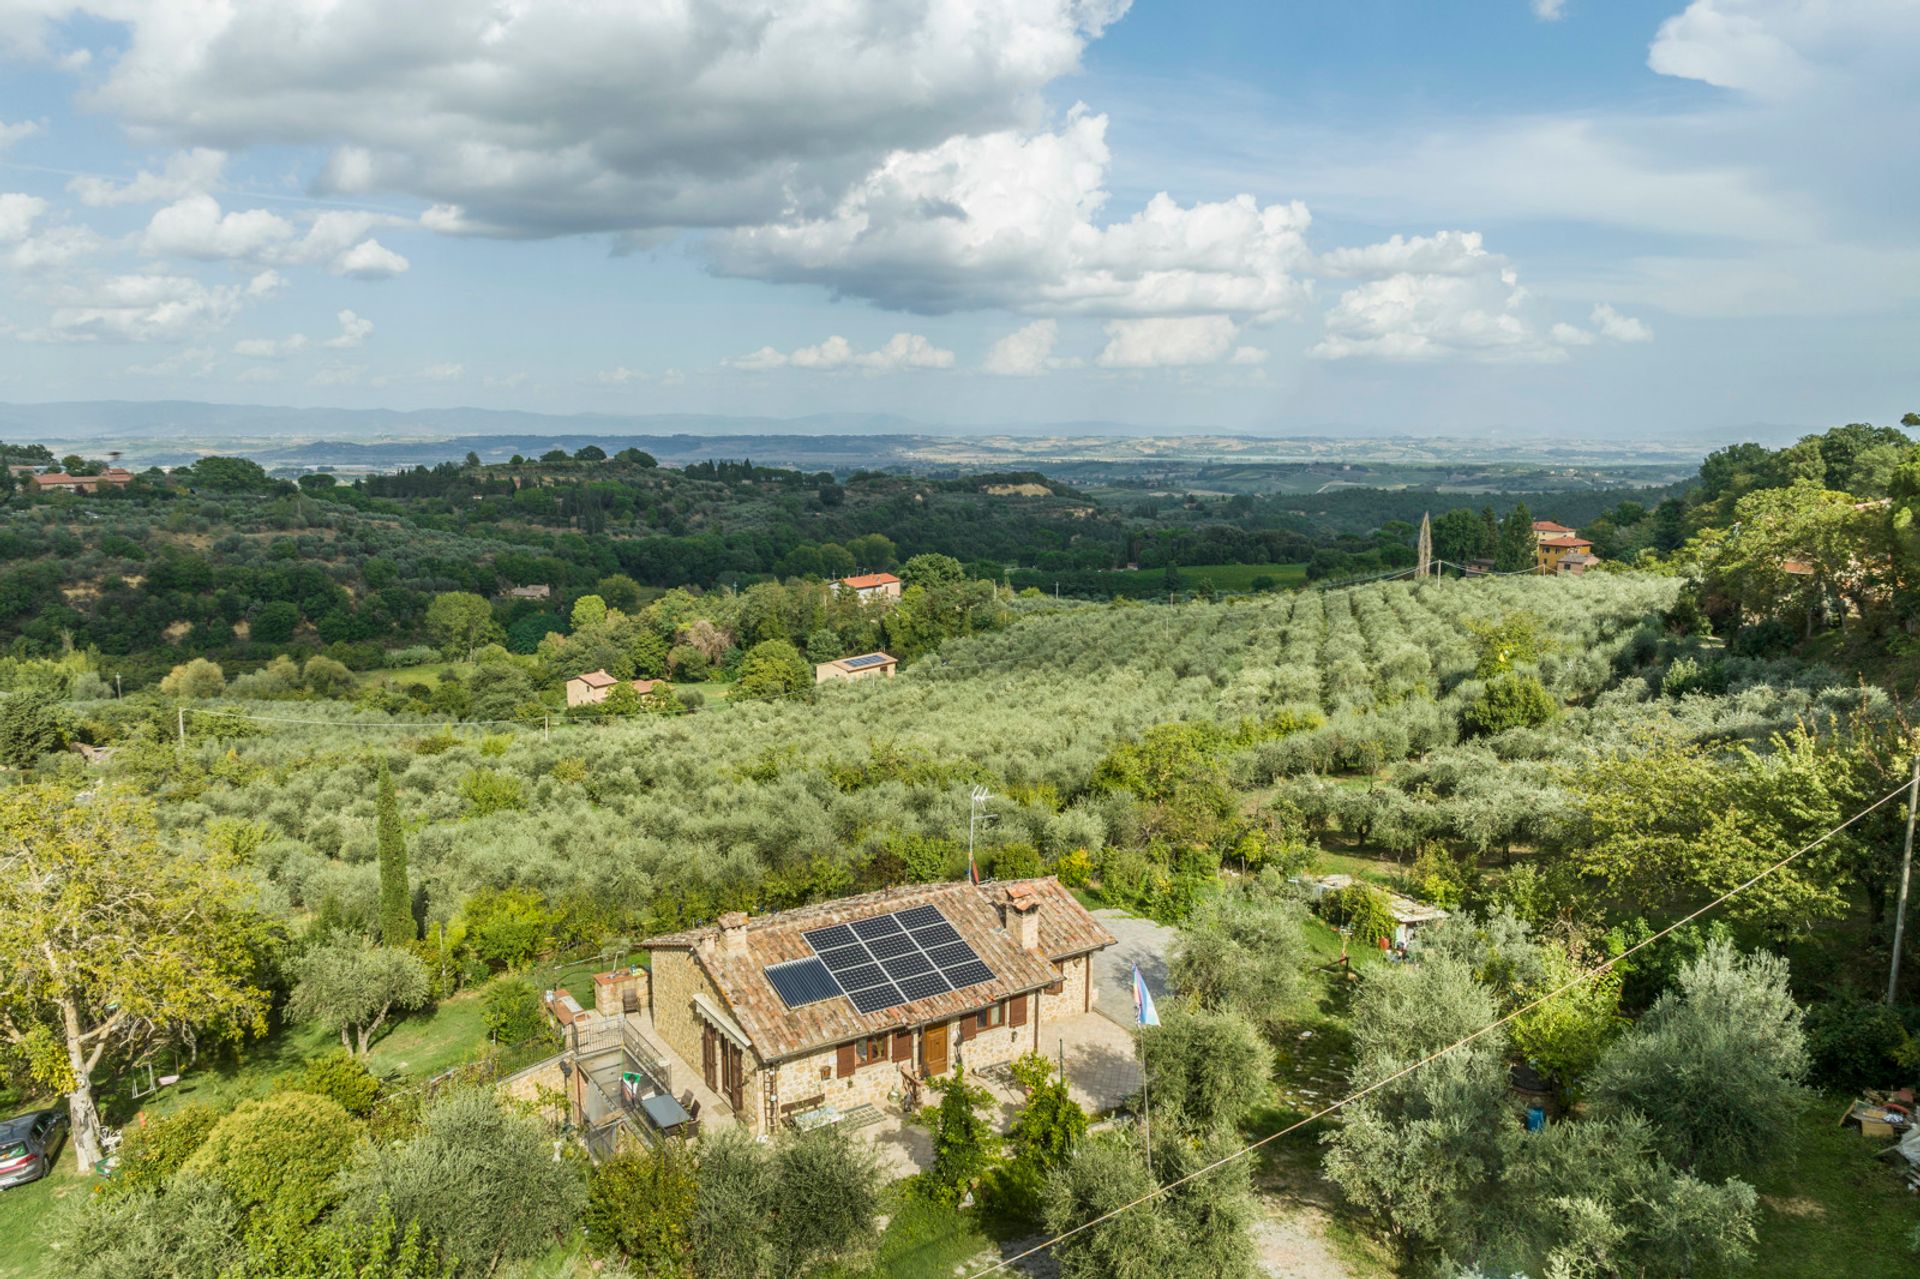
(710, 1056)
(933, 1050)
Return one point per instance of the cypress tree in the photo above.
(396, 902)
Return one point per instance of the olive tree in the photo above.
(354, 986)
(1729, 1029)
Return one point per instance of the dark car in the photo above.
(29, 1144)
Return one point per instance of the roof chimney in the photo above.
(733, 934)
(1020, 915)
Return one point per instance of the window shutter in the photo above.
(846, 1065)
(1017, 1011)
(903, 1046)
(969, 1026)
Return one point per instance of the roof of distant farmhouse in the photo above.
(867, 581)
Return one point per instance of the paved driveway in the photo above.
(1140, 941)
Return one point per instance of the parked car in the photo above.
(29, 1145)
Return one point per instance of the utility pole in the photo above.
(180, 714)
(1906, 877)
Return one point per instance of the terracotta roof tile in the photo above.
(1065, 928)
(866, 581)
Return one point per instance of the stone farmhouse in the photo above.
(763, 1022)
(871, 586)
(851, 669)
(592, 688)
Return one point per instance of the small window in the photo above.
(870, 1050)
(988, 1018)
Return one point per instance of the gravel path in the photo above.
(1140, 941)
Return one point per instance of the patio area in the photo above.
(636, 1081)
(1102, 1072)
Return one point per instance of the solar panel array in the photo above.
(871, 659)
(881, 962)
(803, 982)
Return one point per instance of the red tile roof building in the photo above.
(872, 585)
(112, 477)
(713, 1002)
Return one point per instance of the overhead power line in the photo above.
(1432, 1057)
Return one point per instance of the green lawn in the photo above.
(28, 1214)
(1834, 1208)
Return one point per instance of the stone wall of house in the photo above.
(677, 978)
(545, 1082)
(1073, 998)
(814, 1078)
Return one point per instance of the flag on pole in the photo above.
(1143, 1009)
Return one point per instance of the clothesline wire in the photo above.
(1457, 1044)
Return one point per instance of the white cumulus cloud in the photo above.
(1014, 220)
(149, 306)
(1549, 10)
(1167, 341)
(369, 260)
(581, 115)
(902, 351)
(354, 330)
(1026, 351)
(18, 213)
(185, 173)
(196, 227)
(12, 133)
(1618, 327)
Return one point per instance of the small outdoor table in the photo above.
(818, 1117)
(665, 1113)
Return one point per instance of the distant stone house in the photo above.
(859, 1001)
(872, 586)
(593, 687)
(865, 666)
(113, 477)
(538, 591)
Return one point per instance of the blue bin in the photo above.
(1536, 1118)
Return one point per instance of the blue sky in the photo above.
(1627, 218)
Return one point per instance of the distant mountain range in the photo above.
(172, 432)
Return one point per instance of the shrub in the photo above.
(32, 725)
(510, 1010)
(479, 1179)
(487, 791)
(339, 1076)
(278, 1154)
(1359, 907)
(640, 1205)
(1510, 701)
(1855, 1044)
(506, 927)
(1075, 869)
(153, 1151)
(199, 678)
